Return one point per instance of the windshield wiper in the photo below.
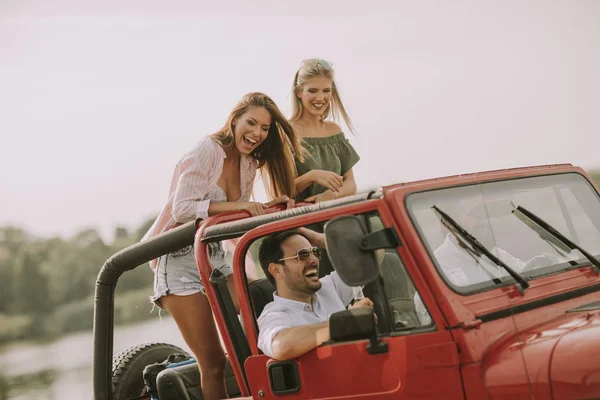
(542, 228)
(522, 282)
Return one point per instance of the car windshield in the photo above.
(567, 202)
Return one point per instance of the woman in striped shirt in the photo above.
(217, 176)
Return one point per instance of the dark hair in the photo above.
(270, 250)
(275, 155)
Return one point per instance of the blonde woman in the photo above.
(326, 171)
(217, 176)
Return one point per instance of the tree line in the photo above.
(47, 284)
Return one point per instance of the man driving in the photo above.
(297, 319)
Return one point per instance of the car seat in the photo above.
(261, 294)
(399, 291)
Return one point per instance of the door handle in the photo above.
(284, 377)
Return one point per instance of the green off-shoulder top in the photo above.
(333, 153)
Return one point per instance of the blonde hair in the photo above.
(335, 108)
(275, 155)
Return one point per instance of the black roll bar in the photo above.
(125, 260)
(229, 230)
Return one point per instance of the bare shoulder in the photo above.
(331, 128)
(326, 129)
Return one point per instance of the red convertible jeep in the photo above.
(486, 286)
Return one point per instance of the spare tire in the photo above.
(128, 366)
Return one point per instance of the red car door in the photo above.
(419, 363)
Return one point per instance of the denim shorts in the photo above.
(176, 273)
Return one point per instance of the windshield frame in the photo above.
(485, 286)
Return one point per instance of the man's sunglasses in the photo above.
(313, 62)
(304, 254)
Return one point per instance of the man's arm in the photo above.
(295, 341)
(282, 338)
(315, 238)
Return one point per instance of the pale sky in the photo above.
(100, 99)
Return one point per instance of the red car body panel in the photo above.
(529, 346)
(402, 372)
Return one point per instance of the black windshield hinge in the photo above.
(383, 239)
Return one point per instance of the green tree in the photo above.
(140, 277)
(12, 239)
(145, 227)
(6, 278)
(121, 233)
(86, 257)
(30, 284)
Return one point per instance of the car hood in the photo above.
(558, 359)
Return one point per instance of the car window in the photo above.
(405, 306)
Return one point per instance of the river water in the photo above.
(63, 369)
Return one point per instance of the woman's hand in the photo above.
(282, 200)
(252, 207)
(255, 208)
(317, 198)
(327, 179)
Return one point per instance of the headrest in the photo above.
(261, 293)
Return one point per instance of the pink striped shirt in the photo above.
(195, 175)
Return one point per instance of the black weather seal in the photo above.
(538, 303)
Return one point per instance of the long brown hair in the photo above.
(335, 108)
(275, 155)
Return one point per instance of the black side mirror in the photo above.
(354, 324)
(355, 266)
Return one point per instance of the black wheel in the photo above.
(128, 366)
